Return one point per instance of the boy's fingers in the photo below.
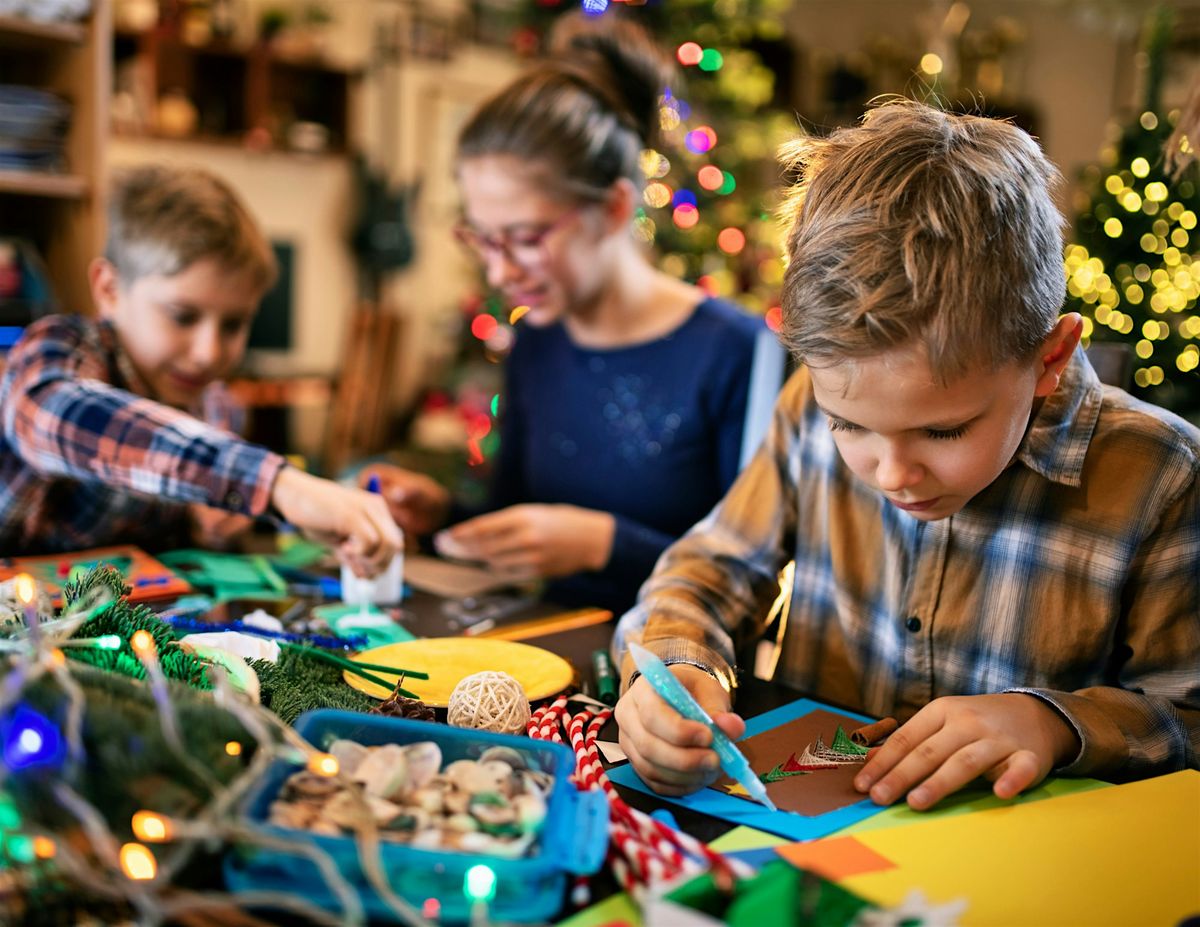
(1020, 771)
(666, 724)
(963, 766)
(914, 766)
(731, 724)
(907, 738)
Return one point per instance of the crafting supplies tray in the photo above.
(573, 839)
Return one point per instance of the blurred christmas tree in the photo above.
(1132, 266)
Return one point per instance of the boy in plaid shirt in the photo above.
(118, 429)
(988, 543)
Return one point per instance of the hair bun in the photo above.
(621, 60)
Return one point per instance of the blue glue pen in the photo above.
(672, 691)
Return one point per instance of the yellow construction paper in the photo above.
(1121, 856)
(448, 659)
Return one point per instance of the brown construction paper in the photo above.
(816, 793)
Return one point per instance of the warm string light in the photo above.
(138, 863)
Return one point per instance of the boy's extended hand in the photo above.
(1011, 739)
(670, 753)
(533, 540)
(357, 522)
(418, 503)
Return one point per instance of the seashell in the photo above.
(499, 774)
(430, 839)
(504, 754)
(354, 812)
(411, 820)
(349, 755)
(431, 799)
(530, 810)
(305, 784)
(384, 772)
(461, 823)
(456, 801)
(424, 760)
(473, 778)
(326, 827)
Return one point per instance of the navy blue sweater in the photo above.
(651, 433)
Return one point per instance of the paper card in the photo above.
(810, 793)
(739, 811)
(450, 580)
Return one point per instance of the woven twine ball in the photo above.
(489, 701)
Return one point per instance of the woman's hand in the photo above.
(534, 541)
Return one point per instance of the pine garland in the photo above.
(297, 684)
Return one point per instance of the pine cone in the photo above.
(400, 707)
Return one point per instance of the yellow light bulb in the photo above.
(26, 590)
(137, 862)
(151, 827)
(142, 643)
(323, 764)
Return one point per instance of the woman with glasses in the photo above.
(626, 387)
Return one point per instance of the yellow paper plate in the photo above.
(448, 659)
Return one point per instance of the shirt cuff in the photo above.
(1090, 755)
(244, 479)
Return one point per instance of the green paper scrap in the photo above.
(229, 576)
(344, 620)
(969, 800)
(298, 553)
(779, 894)
(615, 909)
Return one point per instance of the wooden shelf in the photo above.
(32, 183)
(16, 32)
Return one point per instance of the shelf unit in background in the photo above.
(239, 89)
(62, 213)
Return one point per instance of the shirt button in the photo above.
(234, 500)
(913, 624)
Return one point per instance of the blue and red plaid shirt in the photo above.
(86, 459)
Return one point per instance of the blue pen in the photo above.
(672, 691)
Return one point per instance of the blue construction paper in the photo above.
(739, 811)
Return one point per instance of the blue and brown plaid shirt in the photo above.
(1075, 577)
(86, 459)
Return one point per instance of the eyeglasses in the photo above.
(524, 246)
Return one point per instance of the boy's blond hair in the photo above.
(161, 220)
(920, 226)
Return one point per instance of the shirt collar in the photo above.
(1057, 441)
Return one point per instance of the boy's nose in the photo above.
(896, 472)
(206, 347)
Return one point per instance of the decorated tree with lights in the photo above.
(1133, 265)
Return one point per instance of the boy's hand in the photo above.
(357, 522)
(670, 753)
(216, 529)
(1011, 739)
(532, 540)
(418, 503)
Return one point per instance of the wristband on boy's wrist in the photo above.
(633, 677)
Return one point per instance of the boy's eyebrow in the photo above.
(928, 426)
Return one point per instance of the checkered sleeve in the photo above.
(63, 419)
(1147, 721)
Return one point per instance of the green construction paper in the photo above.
(337, 615)
(779, 894)
(298, 553)
(969, 800)
(228, 576)
(614, 909)
(746, 838)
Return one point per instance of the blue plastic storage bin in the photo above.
(573, 839)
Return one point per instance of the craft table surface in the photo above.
(425, 615)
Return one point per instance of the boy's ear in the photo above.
(105, 286)
(1056, 352)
